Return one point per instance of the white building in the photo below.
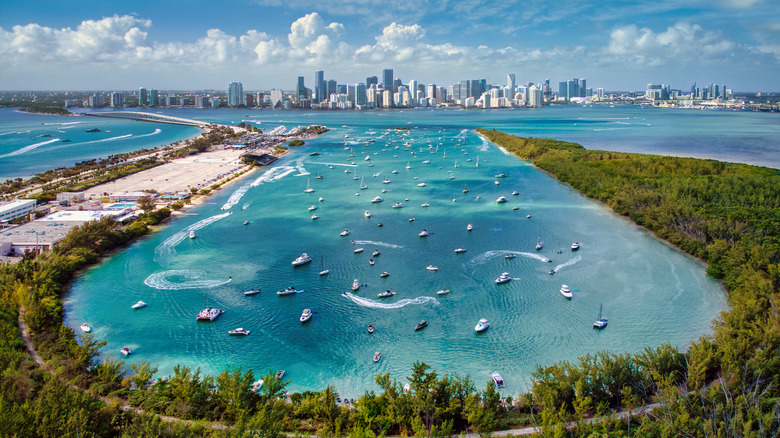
(15, 209)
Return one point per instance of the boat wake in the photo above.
(339, 164)
(119, 137)
(484, 257)
(373, 304)
(485, 144)
(299, 167)
(569, 263)
(29, 148)
(236, 196)
(274, 174)
(180, 279)
(167, 246)
(245, 206)
(372, 242)
(156, 131)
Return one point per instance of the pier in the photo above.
(149, 117)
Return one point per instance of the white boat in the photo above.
(398, 205)
(460, 250)
(251, 292)
(575, 246)
(371, 262)
(394, 172)
(288, 291)
(358, 250)
(504, 278)
(408, 166)
(209, 314)
(407, 388)
(443, 292)
(497, 183)
(377, 356)
(256, 386)
(368, 158)
(355, 285)
(425, 205)
(322, 266)
(386, 294)
(192, 234)
(126, 351)
(377, 199)
(510, 256)
(427, 162)
(424, 233)
(500, 175)
(85, 328)
(321, 199)
(314, 217)
(308, 188)
(565, 291)
(306, 315)
(501, 199)
(497, 379)
(344, 233)
(539, 245)
(384, 274)
(138, 305)
(375, 253)
(431, 268)
(469, 227)
(515, 193)
(246, 222)
(601, 322)
(238, 332)
(386, 181)
(371, 328)
(367, 214)
(301, 260)
(482, 325)
(422, 184)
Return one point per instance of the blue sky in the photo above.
(204, 44)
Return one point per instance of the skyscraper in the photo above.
(300, 89)
(361, 97)
(510, 82)
(331, 88)
(582, 88)
(235, 94)
(154, 97)
(319, 86)
(371, 80)
(143, 97)
(387, 79)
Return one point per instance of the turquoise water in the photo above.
(650, 292)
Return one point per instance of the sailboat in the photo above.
(362, 186)
(445, 153)
(308, 188)
(601, 322)
(477, 161)
(322, 266)
(408, 166)
(456, 163)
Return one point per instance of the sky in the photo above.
(205, 44)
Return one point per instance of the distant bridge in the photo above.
(149, 117)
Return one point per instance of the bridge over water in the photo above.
(149, 117)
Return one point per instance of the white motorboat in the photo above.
(422, 184)
(575, 246)
(301, 260)
(192, 234)
(321, 199)
(313, 207)
(497, 379)
(500, 175)
(432, 268)
(565, 291)
(394, 172)
(306, 315)
(469, 227)
(510, 256)
(539, 245)
(528, 216)
(355, 285)
(427, 162)
(314, 217)
(443, 292)
(246, 222)
(386, 181)
(398, 205)
(85, 328)
(424, 233)
(504, 278)
(358, 250)
(371, 262)
(425, 205)
(238, 332)
(375, 253)
(209, 314)
(515, 193)
(377, 356)
(251, 292)
(386, 294)
(384, 274)
(368, 158)
(344, 233)
(501, 199)
(138, 305)
(288, 291)
(257, 385)
(377, 199)
(371, 328)
(126, 351)
(367, 214)
(460, 250)
(497, 183)
(482, 325)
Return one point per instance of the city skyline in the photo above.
(178, 45)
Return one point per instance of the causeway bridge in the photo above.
(149, 117)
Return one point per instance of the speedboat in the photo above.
(510, 256)
(394, 172)
(501, 199)
(85, 328)
(386, 181)
(368, 158)
(515, 208)
(209, 314)
(500, 175)
(126, 351)
(431, 268)
(377, 199)
(384, 274)
(425, 205)
(321, 199)
(313, 207)
(460, 250)
(355, 285)
(498, 379)
(314, 217)
(565, 291)
(246, 222)
(504, 278)
(252, 292)
(482, 325)
(375, 253)
(306, 315)
(427, 162)
(371, 262)
(386, 294)
(515, 193)
(279, 374)
(358, 250)
(575, 246)
(302, 260)
(367, 214)
(497, 183)
(256, 386)
(192, 234)
(443, 292)
(398, 205)
(539, 245)
(371, 328)
(424, 233)
(411, 219)
(469, 227)
(422, 184)
(377, 356)
(344, 233)
(138, 305)
(288, 291)
(552, 271)
(421, 325)
(528, 216)
(238, 332)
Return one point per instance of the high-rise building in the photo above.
(371, 80)
(387, 79)
(361, 97)
(510, 82)
(96, 101)
(143, 97)
(154, 97)
(341, 89)
(351, 93)
(300, 89)
(235, 94)
(117, 99)
(277, 98)
(331, 88)
(582, 88)
(534, 97)
(563, 90)
(413, 93)
(250, 100)
(319, 86)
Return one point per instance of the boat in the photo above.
(497, 379)
(394, 172)
(443, 292)
(256, 386)
(355, 285)
(371, 328)
(85, 328)
(279, 374)
(368, 157)
(93, 130)
(308, 188)
(411, 219)
(469, 227)
(503, 278)
(138, 305)
(421, 325)
(371, 262)
(314, 154)
(497, 183)
(407, 388)
(66, 140)
(321, 199)
(246, 222)
(539, 245)
(314, 217)
(408, 166)
(501, 199)
(575, 246)
(384, 274)
(358, 250)
(313, 207)
(601, 322)
(376, 253)
(515, 193)
(565, 291)
(510, 256)
(424, 233)
(460, 250)
(386, 181)
(192, 234)
(209, 314)
(386, 294)
(126, 351)
(252, 292)
(427, 162)
(367, 214)
(551, 272)
(377, 356)
(398, 205)
(238, 332)
(377, 199)
(344, 233)
(482, 325)
(528, 216)
(422, 184)
(288, 291)
(431, 268)
(301, 260)
(306, 315)
(500, 175)
(425, 205)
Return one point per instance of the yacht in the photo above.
(575, 246)
(85, 328)
(425, 205)
(377, 199)
(515, 193)
(394, 172)
(126, 351)
(306, 315)
(422, 184)
(460, 250)
(539, 245)
(443, 292)
(398, 205)
(385, 294)
(371, 328)
(601, 322)
(501, 199)
(238, 332)
(209, 314)
(375, 253)
(386, 181)
(358, 250)
(302, 260)
(377, 356)
(256, 386)
(314, 217)
(482, 325)
(510, 256)
(321, 199)
(384, 274)
(368, 158)
(313, 207)
(367, 214)
(424, 233)
(344, 233)
(138, 305)
(469, 227)
(288, 291)
(252, 292)
(192, 234)
(504, 278)
(497, 379)
(279, 374)
(431, 268)
(427, 162)
(565, 291)
(355, 285)
(421, 325)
